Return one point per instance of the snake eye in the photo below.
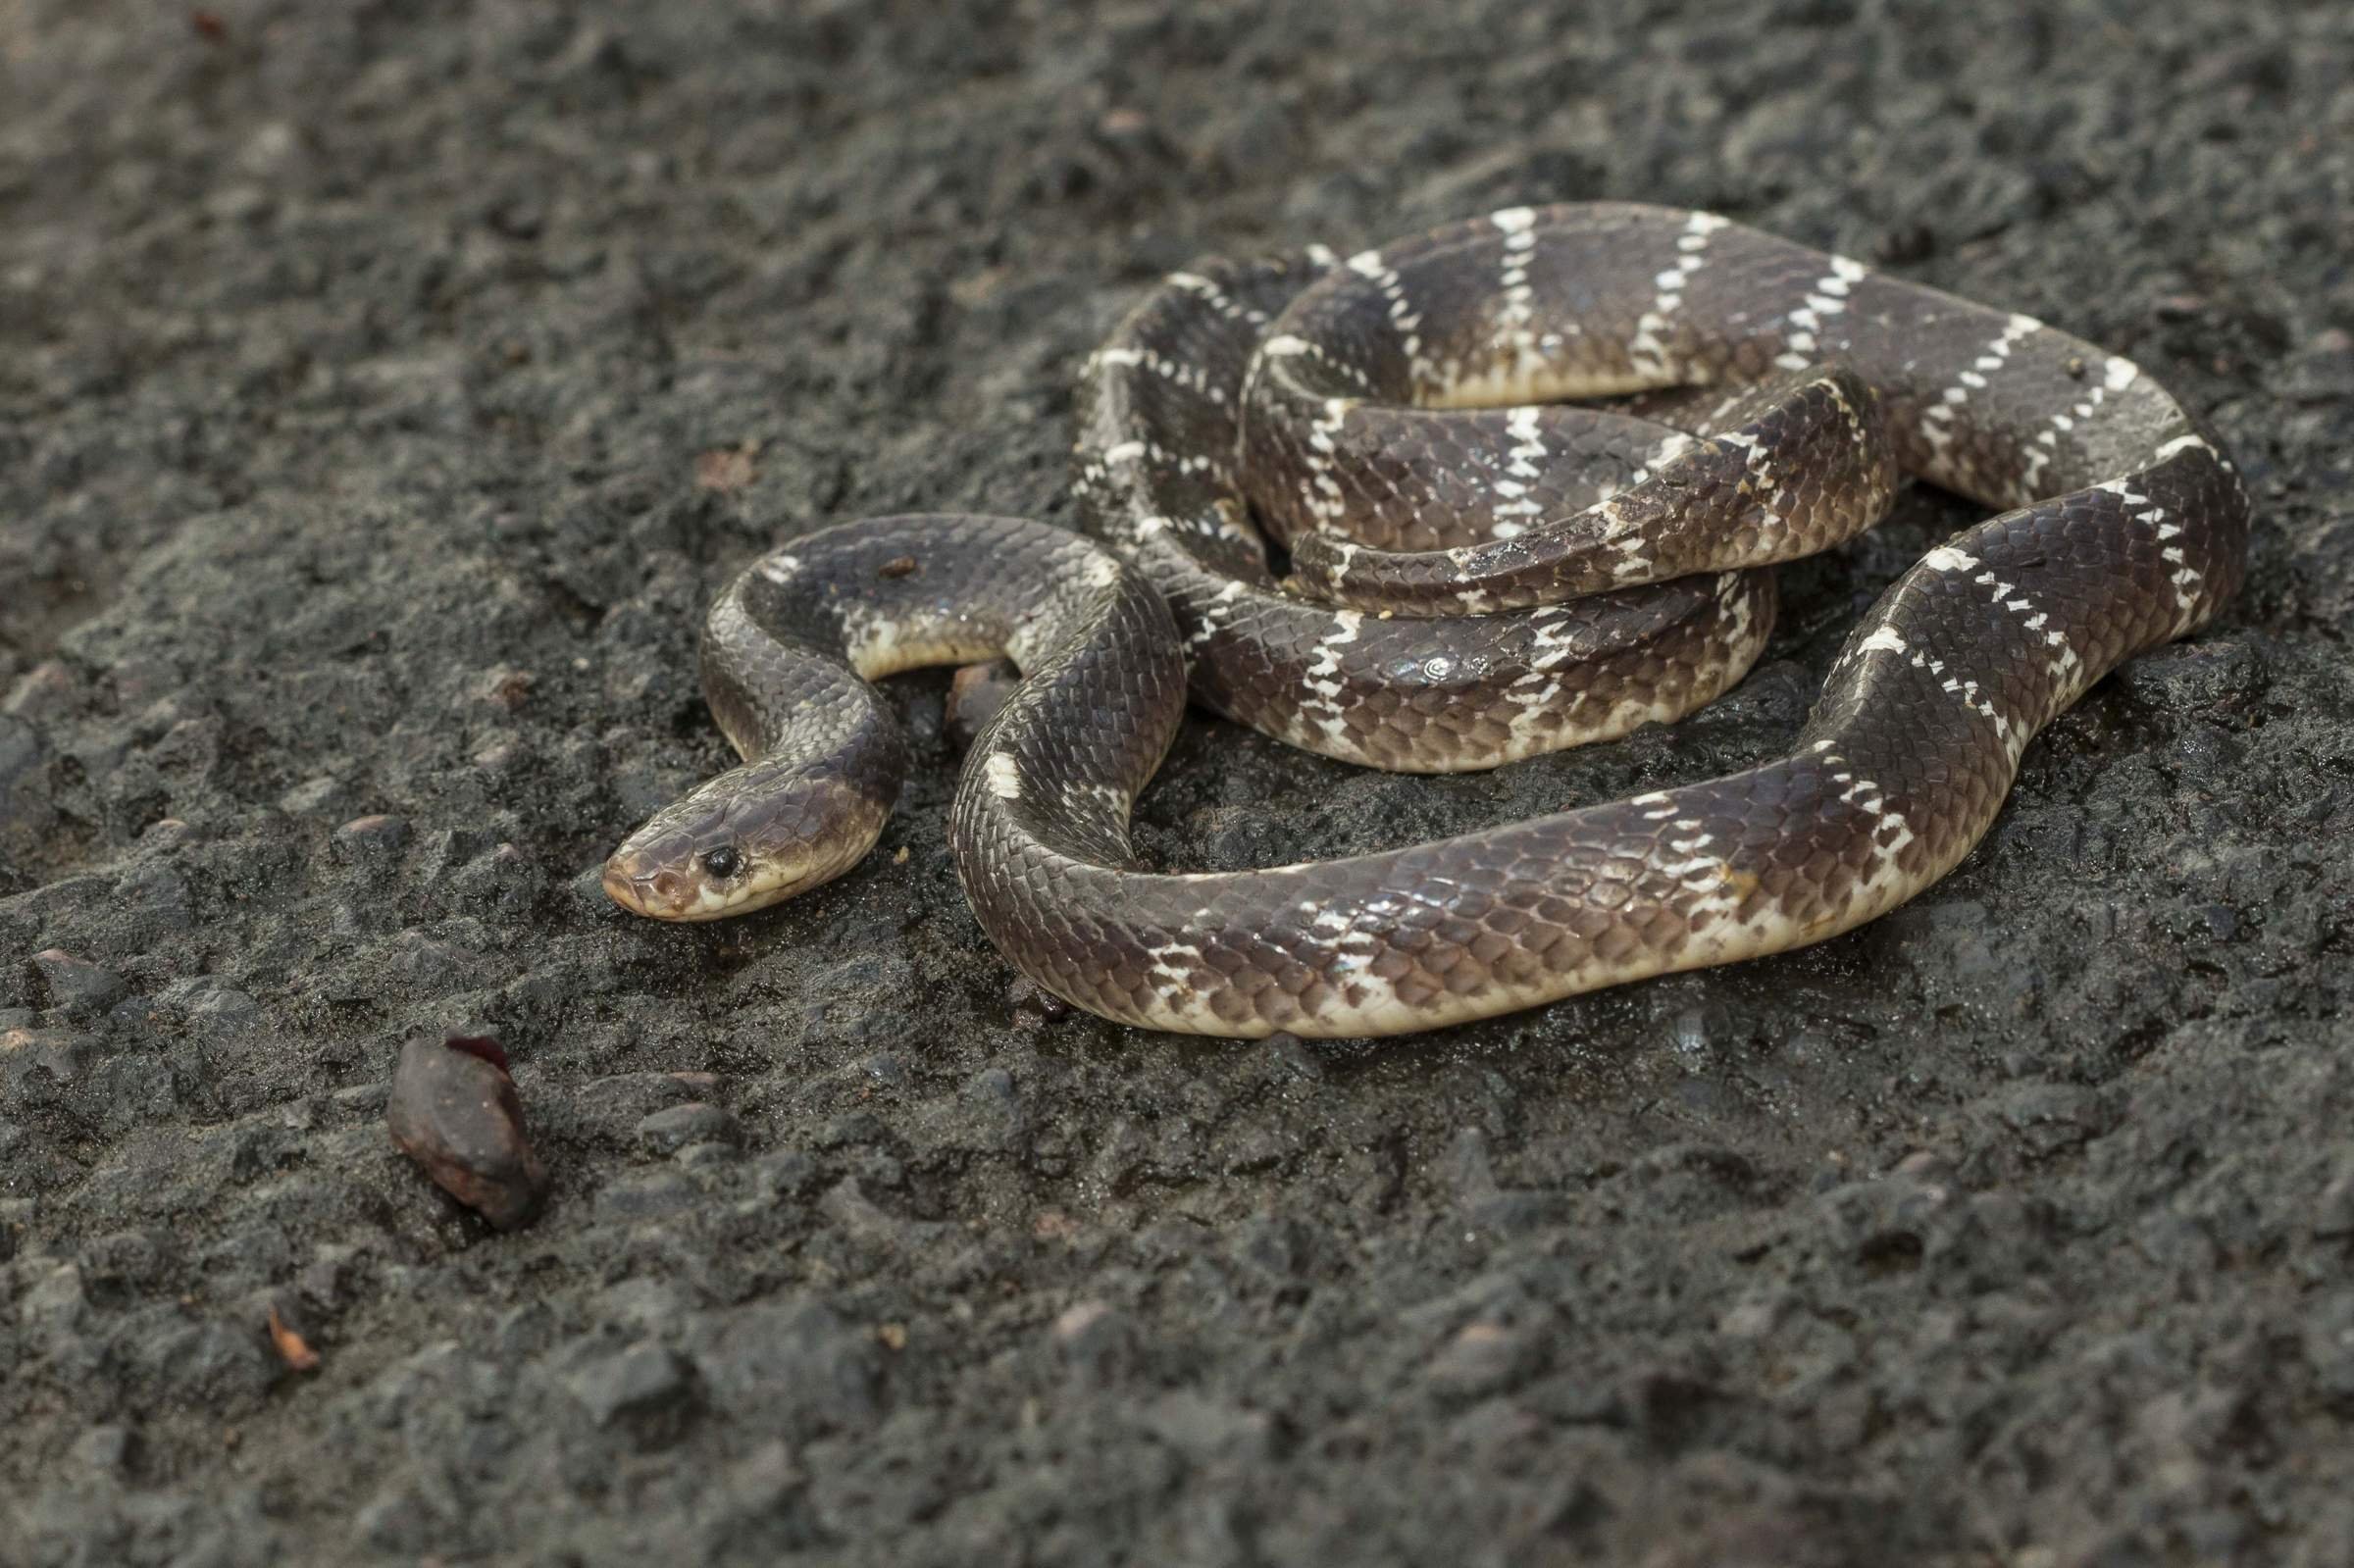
(724, 862)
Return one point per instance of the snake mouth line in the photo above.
(682, 889)
(656, 895)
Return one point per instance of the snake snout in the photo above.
(652, 876)
(664, 874)
(641, 893)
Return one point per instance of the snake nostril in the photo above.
(621, 887)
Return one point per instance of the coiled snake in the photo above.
(1407, 397)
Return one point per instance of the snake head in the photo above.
(750, 837)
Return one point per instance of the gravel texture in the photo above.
(385, 388)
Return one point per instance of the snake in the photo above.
(1513, 485)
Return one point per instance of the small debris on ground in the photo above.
(292, 1348)
(454, 1111)
(975, 695)
(726, 470)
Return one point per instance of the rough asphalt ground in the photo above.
(383, 389)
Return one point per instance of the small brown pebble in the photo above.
(292, 1348)
(893, 1335)
(977, 288)
(454, 1111)
(899, 565)
(1077, 1319)
(975, 695)
(370, 837)
(507, 688)
(726, 470)
(1923, 1165)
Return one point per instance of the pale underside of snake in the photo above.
(1396, 418)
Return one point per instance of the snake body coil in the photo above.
(1406, 398)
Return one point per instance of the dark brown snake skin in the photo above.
(1407, 395)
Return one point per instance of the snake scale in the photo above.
(1495, 572)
